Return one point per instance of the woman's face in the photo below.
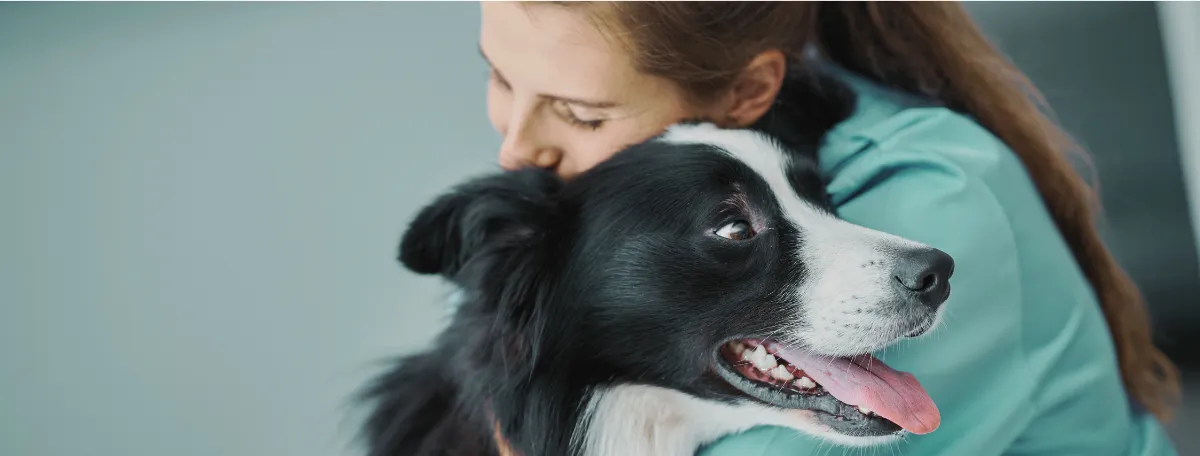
(562, 96)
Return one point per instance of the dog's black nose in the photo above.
(925, 275)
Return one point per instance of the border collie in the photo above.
(694, 285)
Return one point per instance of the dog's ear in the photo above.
(502, 208)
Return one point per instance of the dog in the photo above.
(692, 286)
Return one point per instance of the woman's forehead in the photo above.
(555, 51)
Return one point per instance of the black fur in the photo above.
(569, 286)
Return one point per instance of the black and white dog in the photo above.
(695, 285)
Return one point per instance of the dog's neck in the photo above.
(642, 419)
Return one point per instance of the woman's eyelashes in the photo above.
(561, 108)
(588, 122)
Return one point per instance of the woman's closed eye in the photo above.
(564, 109)
(589, 124)
(592, 121)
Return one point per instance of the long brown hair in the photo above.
(931, 48)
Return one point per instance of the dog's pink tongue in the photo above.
(870, 383)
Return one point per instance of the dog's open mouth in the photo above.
(860, 396)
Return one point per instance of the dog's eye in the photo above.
(738, 231)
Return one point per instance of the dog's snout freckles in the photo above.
(872, 291)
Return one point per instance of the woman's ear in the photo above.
(754, 91)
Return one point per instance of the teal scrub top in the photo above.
(1023, 363)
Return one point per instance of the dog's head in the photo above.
(706, 261)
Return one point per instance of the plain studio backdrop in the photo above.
(201, 205)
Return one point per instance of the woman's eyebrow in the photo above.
(585, 103)
(570, 100)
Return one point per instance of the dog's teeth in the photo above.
(781, 373)
(768, 363)
(763, 360)
(806, 383)
(738, 348)
(864, 410)
(747, 355)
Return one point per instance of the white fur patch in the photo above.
(649, 420)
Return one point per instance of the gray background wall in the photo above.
(201, 203)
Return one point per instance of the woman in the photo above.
(1046, 347)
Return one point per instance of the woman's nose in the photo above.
(521, 149)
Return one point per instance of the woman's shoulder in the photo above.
(900, 161)
(890, 130)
